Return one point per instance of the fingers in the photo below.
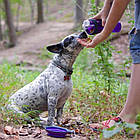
(85, 42)
(101, 16)
(103, 21)
(98, 16)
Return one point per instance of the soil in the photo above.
(31, 45)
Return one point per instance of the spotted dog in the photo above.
(51, 89)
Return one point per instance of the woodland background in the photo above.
(101, 75)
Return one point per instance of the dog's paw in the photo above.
(59, 121)
(50, 122)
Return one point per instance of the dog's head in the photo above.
(68, 45)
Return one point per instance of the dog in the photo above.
(51, 89)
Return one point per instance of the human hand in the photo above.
(92, 43)
(103, 14)
(85, 42)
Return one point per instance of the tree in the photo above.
(78, 12)
(32, 8)
(97, 3)
(17, 15)
(1, 35)
(40, 17)
(9, 21)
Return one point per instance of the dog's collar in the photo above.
(64, 69)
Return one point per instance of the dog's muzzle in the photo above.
(82, 35)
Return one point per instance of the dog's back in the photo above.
(34, 95)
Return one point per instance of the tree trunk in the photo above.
(9, 20)
(1, 35)
(40, 17)
(17, 17)
(97, 3)
(46, 7)
(32, 7)
(78, 12)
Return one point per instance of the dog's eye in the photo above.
(71, 38)
(67, 42)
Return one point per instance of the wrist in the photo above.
(98, 39)
(105, 33)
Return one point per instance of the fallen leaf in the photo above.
(37, 132)
(8, 130)
(15, 131)
(66, 121)
(103, 93)
(11, 137)
(23, 132)
(3, 136)
(30, 131)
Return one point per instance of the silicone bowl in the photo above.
(58, 132)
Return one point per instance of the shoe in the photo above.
(127, 129)
(106, 124)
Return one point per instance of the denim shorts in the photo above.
(135, 45)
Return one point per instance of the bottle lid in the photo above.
(86, 23)
(88, 27)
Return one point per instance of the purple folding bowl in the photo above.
(58, 132)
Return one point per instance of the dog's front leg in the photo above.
(59, 114)
(51, 110)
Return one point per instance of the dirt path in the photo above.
(31, 43)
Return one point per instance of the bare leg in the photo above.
(132, 105)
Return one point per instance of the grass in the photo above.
(11, 79)
(90, 91)
(99, 92)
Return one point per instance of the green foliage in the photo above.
(93, 9)
(130, 130)
(97, 87)
(16, 1)
(45, 54)
(129, 14)
(11, 79)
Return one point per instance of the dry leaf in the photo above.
(37, 132)
(3, 136)
(23, 132)
(103, 93)
(8, 130)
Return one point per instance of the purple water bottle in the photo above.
(94, 26)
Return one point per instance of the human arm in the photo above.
(104, 12)
(116, 11)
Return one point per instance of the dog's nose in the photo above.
(82, 35)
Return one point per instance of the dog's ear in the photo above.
(57, 48)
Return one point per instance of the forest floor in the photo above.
(31, 45)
